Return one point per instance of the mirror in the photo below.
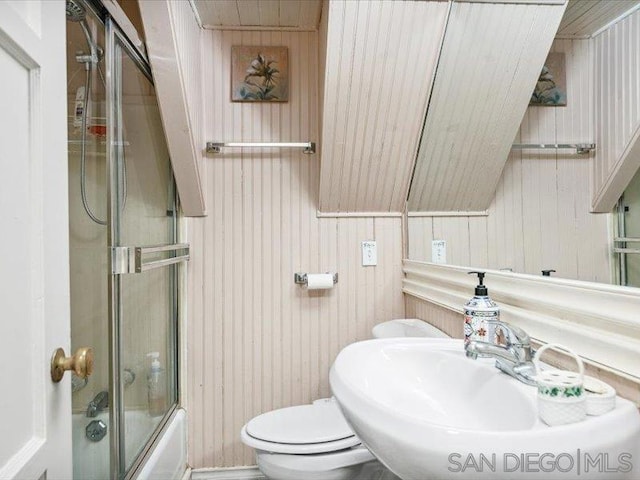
(539, 216)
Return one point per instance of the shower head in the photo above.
(75, 11)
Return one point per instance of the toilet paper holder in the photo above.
(301, 278)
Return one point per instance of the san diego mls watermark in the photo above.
(574, 463)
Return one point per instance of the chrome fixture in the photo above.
(98, 404)
(128, 377)
(513, 358)
(132, 259)
(623, 241)
(580, 148)
(77, 13)
(307, 147)
(78, 383)
(96, 430)
(301, 278)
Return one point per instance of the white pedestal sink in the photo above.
(428, 412)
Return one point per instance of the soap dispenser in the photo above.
(479, 312)
(157, 386)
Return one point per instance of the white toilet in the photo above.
(310, 442)
(314, 442)
(407, 327)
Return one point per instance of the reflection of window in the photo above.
(627, 251)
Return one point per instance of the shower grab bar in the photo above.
(580, 148)
(307, 147)
(626, 239)
(131, 259)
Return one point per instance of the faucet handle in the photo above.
(516, 335)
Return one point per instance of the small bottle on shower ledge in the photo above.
(156, 385)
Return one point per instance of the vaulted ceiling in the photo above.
(583, 18)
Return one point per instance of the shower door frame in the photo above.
(115, 37)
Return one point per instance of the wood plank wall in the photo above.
(188, 37)
(380, 62)
(256, 341)
(539, 217)
(491, 58)
(617, 109)
(447, 320)
(172, 40)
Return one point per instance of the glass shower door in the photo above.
(89, 268)
(145, 252)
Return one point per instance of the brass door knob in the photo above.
(80, 362)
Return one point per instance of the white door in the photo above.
(35, 413)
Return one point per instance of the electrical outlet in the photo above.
(439, 251)
(369, 253)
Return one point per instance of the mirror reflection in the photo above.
(574, 214)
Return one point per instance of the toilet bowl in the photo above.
(311, 442)
(314, 442)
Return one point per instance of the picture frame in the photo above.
(551, 87)
(259, 74)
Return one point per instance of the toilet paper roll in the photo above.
(319, 281)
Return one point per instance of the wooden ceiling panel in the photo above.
(380, 61)
(490, 61)
(293, 14)
(583, 18)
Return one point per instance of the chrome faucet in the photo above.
(513, 358)
(98, 404)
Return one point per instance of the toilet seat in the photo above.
(305, 429)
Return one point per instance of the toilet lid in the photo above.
(304, 424)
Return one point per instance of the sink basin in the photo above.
(427, 411)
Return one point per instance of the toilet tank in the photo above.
(406, 327)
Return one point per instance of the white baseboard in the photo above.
(236, 473)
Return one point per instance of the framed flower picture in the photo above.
(551, 88)
(259, 74)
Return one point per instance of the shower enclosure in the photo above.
(124, 251)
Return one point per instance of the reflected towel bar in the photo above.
(579, 147)
(130, 259)
(625, 249)
(215, 147)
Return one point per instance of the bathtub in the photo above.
(167, 461)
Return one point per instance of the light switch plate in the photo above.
(439, 251)
(369, 253)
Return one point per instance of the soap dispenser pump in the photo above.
(479, 314)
